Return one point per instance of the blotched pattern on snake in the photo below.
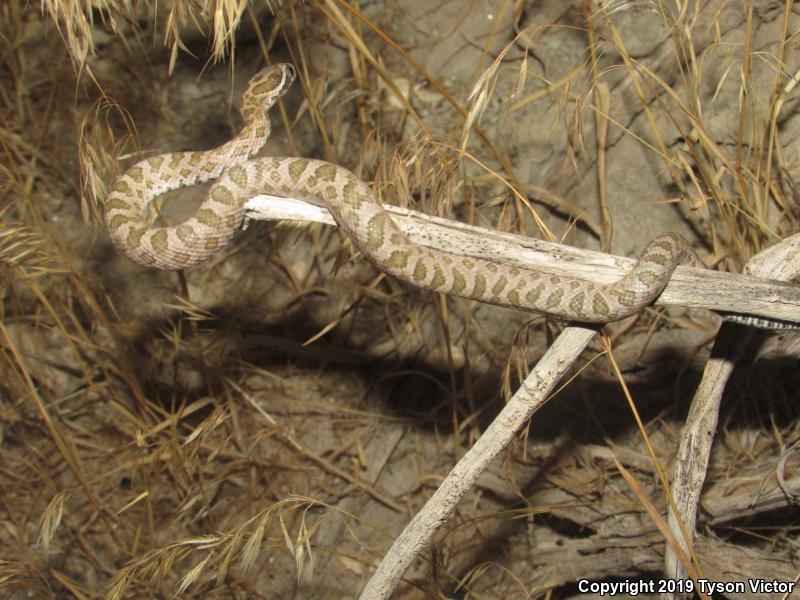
(359, 213)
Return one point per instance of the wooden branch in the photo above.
(531, 396)
(697, 437)
(690, 287)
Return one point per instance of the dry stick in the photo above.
(701, 288)
(690, 287)
(603, 104)
(531, 395)
(781, 261)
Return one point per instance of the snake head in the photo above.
(266, 86)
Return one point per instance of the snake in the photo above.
(355, 208)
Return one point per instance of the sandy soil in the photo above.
(286, 389)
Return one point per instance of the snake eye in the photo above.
(289, 72)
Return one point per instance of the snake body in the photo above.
(357, 211)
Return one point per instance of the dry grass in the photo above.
(206, 448)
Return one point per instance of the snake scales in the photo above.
(358, 212)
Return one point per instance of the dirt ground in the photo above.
(265, 425)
